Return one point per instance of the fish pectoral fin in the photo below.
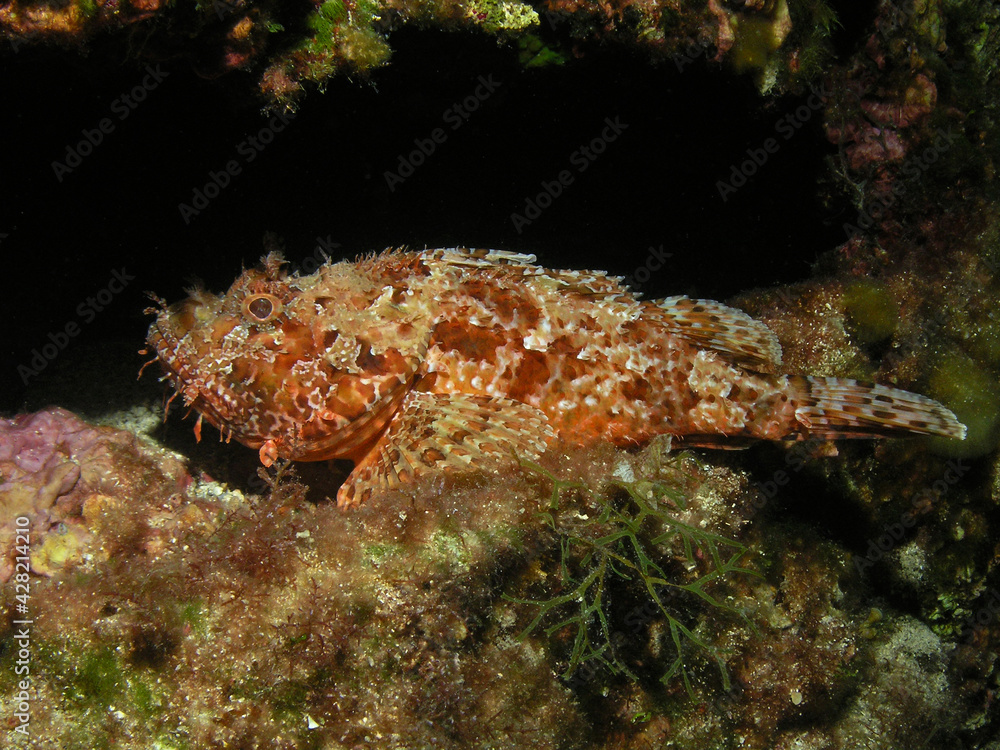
(446, 432)
(723, 329)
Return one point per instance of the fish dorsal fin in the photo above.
(446, 432)
(591, 284)
(726, 330)
(479, 258)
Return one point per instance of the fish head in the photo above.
(296, 367)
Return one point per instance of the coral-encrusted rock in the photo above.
(291, 44)
(212, 618)
(53, 465)
(911, 112)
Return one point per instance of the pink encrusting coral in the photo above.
(886, 124)
(54, 468)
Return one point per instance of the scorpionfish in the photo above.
(451, 359)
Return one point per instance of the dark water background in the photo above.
(323, 176)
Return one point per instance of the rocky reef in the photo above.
(290, 46)
(603, 599)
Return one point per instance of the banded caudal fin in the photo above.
(835, 408)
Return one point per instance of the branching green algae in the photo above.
(628, 541)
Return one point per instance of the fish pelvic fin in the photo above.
(837, 408)
(450, 433)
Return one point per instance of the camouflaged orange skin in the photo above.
(409, 361)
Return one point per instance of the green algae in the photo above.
(623, 546)
(813, 23)
(872, 313)
(287, 658)
(342, 35)
(84, 677)
(763, 43)
(502, 15)
(533, 52)
(972, 392)
(192, 614)
(94, 681)
(983, 340)
(88, 8)
(289, 698)
(755, 46)
(98, 678)
(377, 553)
(779, 42)
(448, 552)
(330, 13)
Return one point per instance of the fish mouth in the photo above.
(166, 336)
(204, 395)
(166, 333)
(334, 436)
(164, 342)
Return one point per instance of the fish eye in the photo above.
(262, 308)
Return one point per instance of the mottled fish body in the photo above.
(409, 362)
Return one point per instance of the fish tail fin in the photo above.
(836, 408)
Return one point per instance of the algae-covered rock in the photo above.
(872, 313)
(288, 46)
(602, 599)
(918, 515)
